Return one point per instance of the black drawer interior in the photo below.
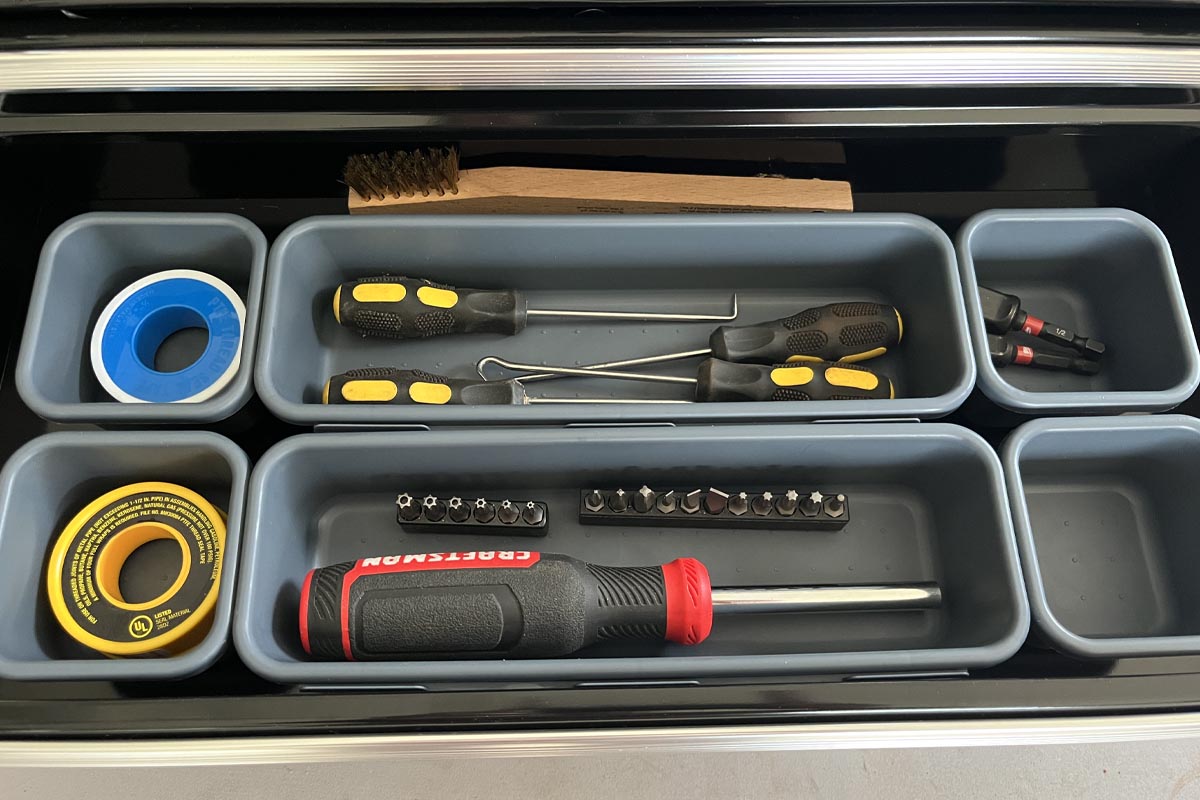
(274, 177)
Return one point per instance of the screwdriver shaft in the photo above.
(546, 312)
(628, 362)
(826, 598)
(580, 371)
(593, 400)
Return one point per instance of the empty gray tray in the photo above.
(1107, 273)
(927, 505)
(778, 264)
(85, 263)
(45, 484)
(1105, 513)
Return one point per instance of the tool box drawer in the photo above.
(926, 497)
(927, 506)
(770, 266)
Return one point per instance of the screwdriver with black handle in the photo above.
(1003, 313)
(846, 332)
(513, 604)
(716, 381)
(398, 307)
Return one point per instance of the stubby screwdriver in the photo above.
(1003, 313)
(505, 604)
(1004, 352)
(720, 381)
(396, 307)
(847, 332)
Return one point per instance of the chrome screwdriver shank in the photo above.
(827, 598)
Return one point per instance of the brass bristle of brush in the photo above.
(403, 173)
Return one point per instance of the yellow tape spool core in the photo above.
(113, 555)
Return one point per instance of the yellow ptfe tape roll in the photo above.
(83, 574)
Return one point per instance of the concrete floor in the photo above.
(1145, 770)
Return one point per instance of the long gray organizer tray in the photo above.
(45, 484)
(1105, 512)
(1107, 273)
(777, 264)
(85, 263)
(928, 505)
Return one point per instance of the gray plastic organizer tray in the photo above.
(1105, 512)
(778, 264)
(928, 505)
(1106, 273)
(85, 263)
(45, 484)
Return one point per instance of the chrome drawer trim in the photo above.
(923, 64)
(558, 743)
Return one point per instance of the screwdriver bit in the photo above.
(407, 507)
(459, 511)
(690, 503)
(763, 504)
(619, 500)
(810, 506)
(532, 513)
(715, 501)
(484, 511)
(508, 513)
(594, 501)
(643, 501)
(666, 502)
(786, 505)
(739, 503)
(835, 506)
(434, 509)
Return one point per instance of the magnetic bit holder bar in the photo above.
(478, 515)
(714, 508)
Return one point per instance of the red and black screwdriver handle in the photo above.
(397, 307)
(496, 604)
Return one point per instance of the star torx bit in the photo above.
(786, 505)
(484, 512)
(508, 513)
(643, 501)
(762, 504)
(739, 503)
(407, 508)
(810, 506)
(532, 513)
(458, 510)
(434, 509)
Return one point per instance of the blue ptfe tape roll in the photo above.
(140, 318)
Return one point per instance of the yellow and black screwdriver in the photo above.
(846, 332)
(716, 381)
(396, 307)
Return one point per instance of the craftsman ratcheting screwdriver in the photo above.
(396, 307)
(846, 332)
(716, 381)
(505, 604)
